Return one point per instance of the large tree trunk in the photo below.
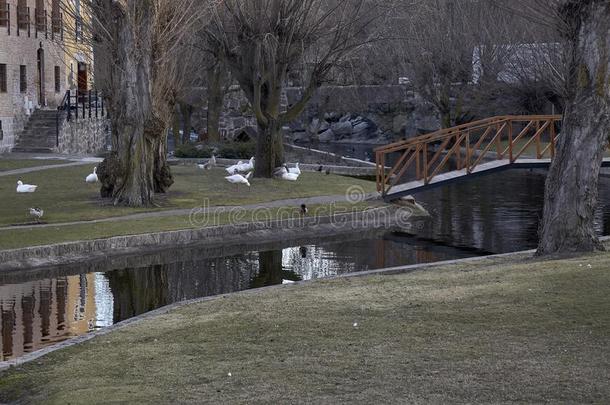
(269, 149)
(216, 97)
(138, 166)
(572, 183)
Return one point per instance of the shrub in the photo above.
(230, 150)
(237, 150)
(190, 150)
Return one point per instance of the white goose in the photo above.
(238, 179)
(235, 168)
(25, 188)
(92, 178)
(247, 167)
(280, 171)
(289, 176)
(296, 170)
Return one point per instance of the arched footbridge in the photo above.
(462, 152)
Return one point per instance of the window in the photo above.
(57, 79)
(23, 79)
(23, 15)
(2, 78)
(78, 21)
(3, 13)
(55, 16)
(41, 17)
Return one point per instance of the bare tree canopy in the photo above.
(265, 42)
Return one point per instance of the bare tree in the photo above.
(141, 56)
(572, 183)
(263, 41)
(581, 77)
(445, 45)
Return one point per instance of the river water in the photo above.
(494, 214)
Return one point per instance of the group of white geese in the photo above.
(236, 176)
(241, 172)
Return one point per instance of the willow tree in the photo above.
(141, 56)
(264, 41)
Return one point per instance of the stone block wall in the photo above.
(88, 136)
(384, 111)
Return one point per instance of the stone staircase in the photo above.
(39, 134)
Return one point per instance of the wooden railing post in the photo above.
(459, 150)
(510, 141)
(498, 142)
(417, 162)
(538, 149)
(425, 152)
(468, 151)
(552, 130)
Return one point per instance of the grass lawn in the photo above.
(19, 238)
(485, 332)
(13, 164)
(65, 197)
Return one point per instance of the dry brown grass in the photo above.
(485, 332)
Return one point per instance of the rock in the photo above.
(327, 136)
(342, 129)
(364, 129)
(417, 210)
(399, 124)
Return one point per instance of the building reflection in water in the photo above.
(42, 312)
(39, 313)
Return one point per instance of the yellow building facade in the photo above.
(42, 54)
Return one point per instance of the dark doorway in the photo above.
(41, 90)
(82, 77)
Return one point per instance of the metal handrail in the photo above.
(90, 104)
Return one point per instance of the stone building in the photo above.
(38, 45)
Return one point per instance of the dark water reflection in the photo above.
(37, 311)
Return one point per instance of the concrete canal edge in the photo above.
(489, 260)
(239, 233)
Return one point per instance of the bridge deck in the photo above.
(462, 175)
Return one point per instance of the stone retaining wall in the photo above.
(85, 136)
(71, 252)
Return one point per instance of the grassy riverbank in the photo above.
(480, 332)
(20, 238)
(66, 198)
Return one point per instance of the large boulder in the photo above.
(327, 136)
(363, 128)
(342, 129)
